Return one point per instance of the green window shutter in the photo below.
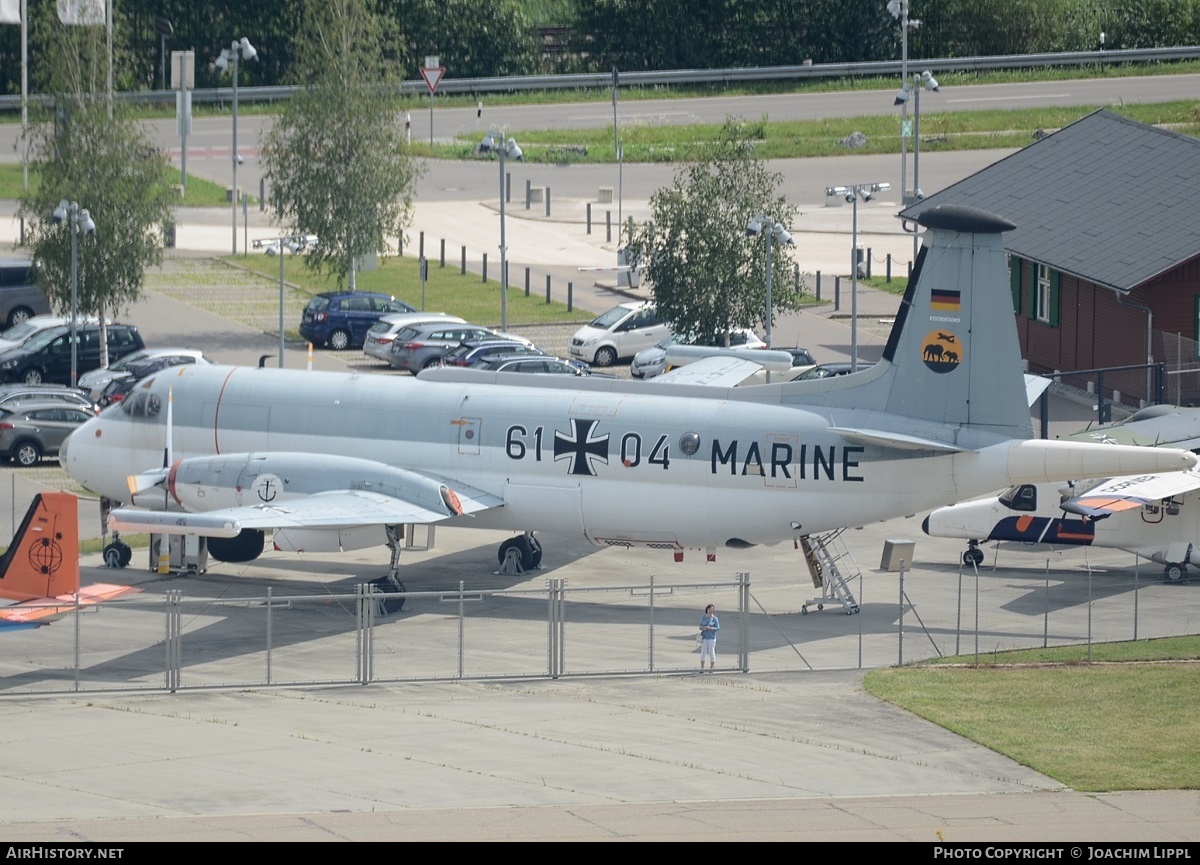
(1014, 277)
(1055, 277)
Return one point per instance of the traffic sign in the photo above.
(433, 77)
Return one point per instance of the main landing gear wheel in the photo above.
(524, 551)
(117, 555)
(1175, 572)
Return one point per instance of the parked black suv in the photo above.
(47, 356)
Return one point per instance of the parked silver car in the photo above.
(534, 364)
(38, 430)
(97, 380)
(421, 346)
(378, 343)
(18, 396)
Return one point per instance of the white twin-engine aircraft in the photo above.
(1156, 516)
(335, 461)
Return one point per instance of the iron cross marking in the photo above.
(580, 447)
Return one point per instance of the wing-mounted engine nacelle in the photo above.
(256, 480)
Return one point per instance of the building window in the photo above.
(1043, 293)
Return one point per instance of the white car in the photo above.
(97, 380)
(378, 342)
(16, 335)
(653, 361)
(623, 331)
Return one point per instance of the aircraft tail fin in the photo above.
(43, 559)
(954, 348)
(953, 357)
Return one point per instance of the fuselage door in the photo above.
(468, 435)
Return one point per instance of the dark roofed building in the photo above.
(1105, 257)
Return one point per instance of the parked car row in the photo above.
(35, 419)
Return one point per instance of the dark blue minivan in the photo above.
(341, 320)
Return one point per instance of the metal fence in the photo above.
(674, 77)
(175, 640)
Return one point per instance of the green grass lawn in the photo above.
(445, 291)
(200, 192)
(1127, 724)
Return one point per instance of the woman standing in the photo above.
(709, 625)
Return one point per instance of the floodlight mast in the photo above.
(494, 142)
(773, 232)
(243, 48)
(78, 222)
(853, 192)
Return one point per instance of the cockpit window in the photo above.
(141, 402)
(1022, 498)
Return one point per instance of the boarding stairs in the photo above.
(832, 567)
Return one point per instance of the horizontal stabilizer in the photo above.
(40, 610)
(900, 441)
(713, 371)
(774, 361)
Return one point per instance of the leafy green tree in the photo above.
(707, 276)
(105, 164)
(473, 39)
(337, 165)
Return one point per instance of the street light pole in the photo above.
(503, 251)
(77, 220)
(235, 195)
(773, 232)
(238, 48)
(899, 11)
(495, 142)
(865, 191)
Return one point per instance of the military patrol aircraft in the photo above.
(340, 460)
(1156, 516)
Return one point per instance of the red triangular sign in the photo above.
(433, 77)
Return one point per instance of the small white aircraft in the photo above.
(333, 461)
(1156, 516)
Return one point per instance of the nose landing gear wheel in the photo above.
(117, 555)
(1175, 572)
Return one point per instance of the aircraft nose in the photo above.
(62, 450)
(925, 525)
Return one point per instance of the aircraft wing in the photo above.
(1156, 426)
(36, 612)
(1125, 493)
(333, 509)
